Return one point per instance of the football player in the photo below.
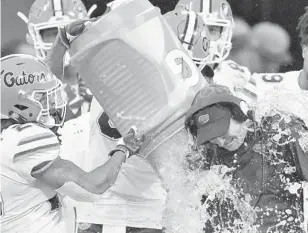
(286, 91)
(32, 172)
(136, 201)
(132, 201)
(190, 29)
(216, 17)
(45, 17)
(295, 80)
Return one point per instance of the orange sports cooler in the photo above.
(137, 69)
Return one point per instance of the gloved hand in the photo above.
(72, 30)
(130, 142)
(59, 48)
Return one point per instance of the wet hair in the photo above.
(302, 28)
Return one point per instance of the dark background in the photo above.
(283, 12)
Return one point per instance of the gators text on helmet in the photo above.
(30, 92)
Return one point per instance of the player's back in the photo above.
(288, 80)
(281, 91)
(26, 203)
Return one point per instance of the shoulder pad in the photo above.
(34, 138)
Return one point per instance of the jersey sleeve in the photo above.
(37, 147)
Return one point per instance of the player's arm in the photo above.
(55, 56)
(62, 172)
(36, 157)
(68, 179)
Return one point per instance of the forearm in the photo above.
(77, 193)
(103, 177)
(62, 172)
(55, 56)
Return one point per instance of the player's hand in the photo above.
(70, 31)
(130, 142)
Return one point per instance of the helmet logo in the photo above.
(78, 6)
(36, 11)
(10, 79)
(225, 10)
(206, 44)
(203, 119)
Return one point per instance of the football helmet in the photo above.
(190, 29)
(46, 16)
(30, 92)
(217, 14)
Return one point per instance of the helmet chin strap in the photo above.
(49, 123)
(18, 118)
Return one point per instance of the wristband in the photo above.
(111, 153)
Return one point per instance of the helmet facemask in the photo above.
(44, 35)
(52, 105)
(220, 47)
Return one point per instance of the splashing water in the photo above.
(282, 99)
(292, 104)
(182, 210)
(187, 183)
(215, 186)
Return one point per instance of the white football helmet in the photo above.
(30, 92)
(217, 14)
(46, 16)
(190, 29)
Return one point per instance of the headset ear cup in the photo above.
(236, 112)
(238, 115)
(251, 115)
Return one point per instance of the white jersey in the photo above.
(269, 81)
(281, 91)
(74, 136)
(24, 201)
(238, 79)
(137, 198)
(265, 91)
